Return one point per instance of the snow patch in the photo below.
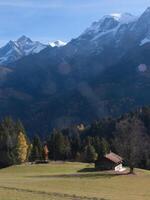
(38, 48)
(57, 43)
(124, 18)
(144, 41)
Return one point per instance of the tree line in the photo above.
(128, 135)
(14, 144)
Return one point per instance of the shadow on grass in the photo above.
(84, 173)
(88, 170)
(78, 175)
(108, 172)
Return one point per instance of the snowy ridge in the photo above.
(27, 46)
(24, 46)
(124, 18)
(57, 43)
(109, 22)
(145, 41)
(15, 50)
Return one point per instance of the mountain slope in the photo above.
(103, 72)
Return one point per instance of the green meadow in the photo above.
(71, 181)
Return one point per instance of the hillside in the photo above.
(63, 181)
(100, 73)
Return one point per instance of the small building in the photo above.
(110, 161)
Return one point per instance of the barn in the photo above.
(110, 161)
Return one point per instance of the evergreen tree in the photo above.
(67, 148)
(105, 146)
(20, 128)
(75, 143)
(8, 141)
(90, 154)
(78, 157)
(97, 143)
(59, 146)
(36, 149)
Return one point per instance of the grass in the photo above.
(68, 181)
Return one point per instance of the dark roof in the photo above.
(114, 157)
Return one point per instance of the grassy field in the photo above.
(64, 181)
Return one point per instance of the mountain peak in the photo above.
(57, 43)
(15, 50)
(109, 22)
(123, 17)
(147, 10)
(11, 43)
(24, 39)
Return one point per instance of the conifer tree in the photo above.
(8, 140)
(90, 154)
(75, 143)
(59, 146)
(37, 149)
(105, 146)
(9, 132)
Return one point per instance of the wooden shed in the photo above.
(110, 161)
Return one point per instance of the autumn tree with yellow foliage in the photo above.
(22, 148)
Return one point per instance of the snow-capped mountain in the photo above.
(105, 71)
(123, 17)
(15, 50)
(109, 22)
(111, 28)
(113, 34)
(57, 43)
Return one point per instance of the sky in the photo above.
(50, 20)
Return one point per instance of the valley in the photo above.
(46, 182)
(74, 100)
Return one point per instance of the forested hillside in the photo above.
(84, 143)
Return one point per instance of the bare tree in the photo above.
(131, 141)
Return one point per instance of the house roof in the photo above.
(114, 157)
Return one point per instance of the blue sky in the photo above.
(48, 20)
